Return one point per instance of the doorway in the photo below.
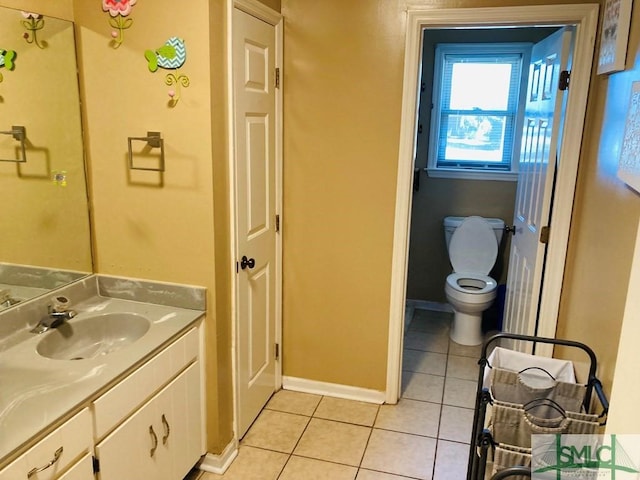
(256, 183)
(455, 189)
(584, 18)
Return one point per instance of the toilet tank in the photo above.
(451, 223)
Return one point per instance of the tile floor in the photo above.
(300, 436)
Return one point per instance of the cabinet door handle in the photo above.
(154, 438)
(167, 430)
(56, 457)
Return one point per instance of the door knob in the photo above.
(247, 262)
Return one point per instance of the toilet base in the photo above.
(466, 329)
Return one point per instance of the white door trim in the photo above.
(258, 10)
(272, 17)
(585, 17)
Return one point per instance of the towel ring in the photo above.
(153, 140)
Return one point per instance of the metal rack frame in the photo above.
(481, 438)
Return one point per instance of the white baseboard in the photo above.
(333, 390)
(429, 305)
(219, 463)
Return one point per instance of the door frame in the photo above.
(274, 18)
(585, 18)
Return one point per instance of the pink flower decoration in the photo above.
(35, 16)
(118, 7)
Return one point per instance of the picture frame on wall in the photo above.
(615, 35)
(629, 162)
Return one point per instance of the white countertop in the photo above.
(38, 393)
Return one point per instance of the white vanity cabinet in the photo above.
(131, 409)
(161, 440)
(148, 428)
(64, 454)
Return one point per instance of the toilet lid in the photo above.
(473, 247)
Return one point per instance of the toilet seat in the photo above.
(473, 248)
(472, 284)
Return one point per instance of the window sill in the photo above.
(471, 174)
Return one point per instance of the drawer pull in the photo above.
(154, 438)
(167, 430)
(56, 457)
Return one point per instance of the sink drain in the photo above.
(77, 358)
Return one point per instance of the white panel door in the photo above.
(539, 152)
(254, 48)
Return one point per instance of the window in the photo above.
(479, 91)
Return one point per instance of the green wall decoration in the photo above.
(32, 23)
(7, 60)
(170, 56)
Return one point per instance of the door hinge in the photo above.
(544, 234)
(277, 351)
(96, 464)
(563, 83)
(277, 223)
(277, 77)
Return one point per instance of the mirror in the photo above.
(44, 222)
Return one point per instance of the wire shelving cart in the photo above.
(509, 408)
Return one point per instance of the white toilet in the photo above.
(473, 247)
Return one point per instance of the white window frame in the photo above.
(432, 169)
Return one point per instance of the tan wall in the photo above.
(604, 224)
(343, 78)
(42, 224)
(625, 393)
(220, 420)
(438, 197)
(150, 225)
(55, 8)
(273, 4)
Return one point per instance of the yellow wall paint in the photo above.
(55, 8)
(273, 4)
(343, 77)
(625, 393)
(604, 224)
(343, 84)
(221, 419)
(146, 224)
(343, 80)
(43, 224)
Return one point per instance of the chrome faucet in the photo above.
(6, 299)
(57, 316)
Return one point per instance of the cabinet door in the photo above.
(83, 470)
(54, 453)
(130, 451)
(161, 440)
(180, 421)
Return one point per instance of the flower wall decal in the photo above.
(33, 22)
(118, 10)
(170, 56)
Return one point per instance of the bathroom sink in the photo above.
(93, 336)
